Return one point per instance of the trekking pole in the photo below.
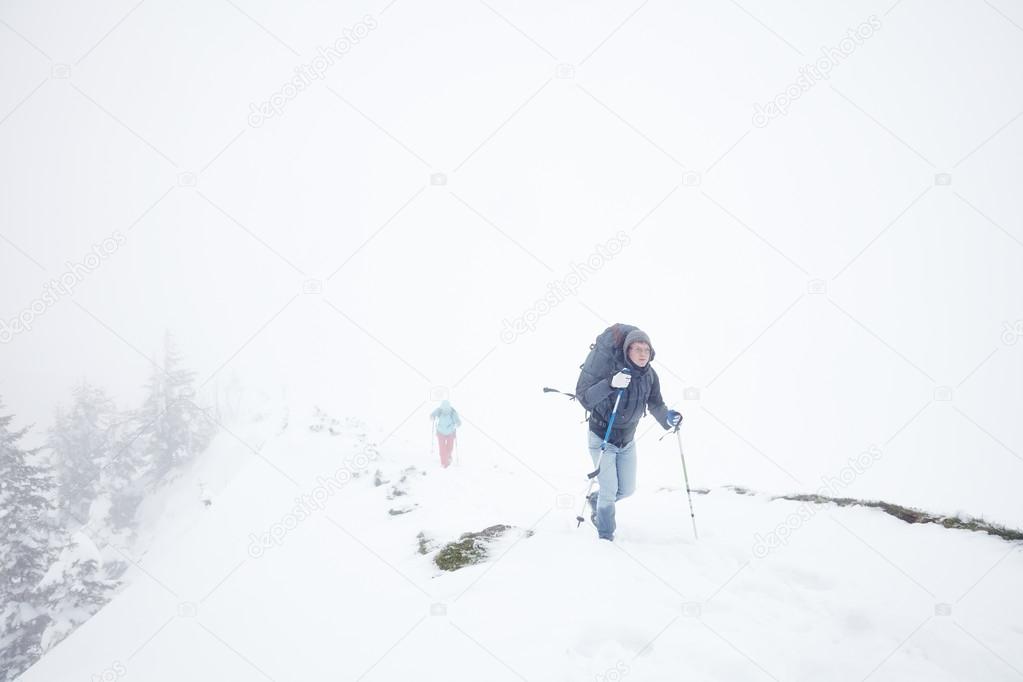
(570, 396)
(685, 476)
(548, 389)
(603, 446)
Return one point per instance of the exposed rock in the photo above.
(911, 515)
(426, 545)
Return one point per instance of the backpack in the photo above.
(600, 362)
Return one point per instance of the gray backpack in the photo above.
(601, 362)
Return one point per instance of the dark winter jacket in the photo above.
(644, 392)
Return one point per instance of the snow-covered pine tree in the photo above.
(83, 440)
(125, 479)
(27, 511)
(75, 587)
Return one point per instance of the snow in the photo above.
(833, 296)
(343, 593)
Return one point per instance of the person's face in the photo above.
(639, 353)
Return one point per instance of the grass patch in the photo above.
(470, 548)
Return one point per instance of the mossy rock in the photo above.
(334, 426)
(739, 490)
(470, 548)
(695, 491)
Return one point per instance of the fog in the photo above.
(462, 195)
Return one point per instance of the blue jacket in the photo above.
(447, 419)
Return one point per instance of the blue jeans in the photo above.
(617, 479)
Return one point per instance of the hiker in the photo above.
(618, 364)
(446, 421)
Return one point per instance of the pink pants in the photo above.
(446, 444)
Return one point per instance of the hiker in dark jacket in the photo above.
(640, 391)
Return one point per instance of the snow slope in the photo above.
(246, 590)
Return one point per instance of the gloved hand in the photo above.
(674, 418)
(621, 380)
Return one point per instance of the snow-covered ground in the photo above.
(297, 571)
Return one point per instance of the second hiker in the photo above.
(446, 422)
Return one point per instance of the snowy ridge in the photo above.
(299, 569)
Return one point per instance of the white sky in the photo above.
(105, 111)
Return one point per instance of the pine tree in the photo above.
(83, 440)
(125, 479)
(26, 536)
(166, 433)
(175, 428)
